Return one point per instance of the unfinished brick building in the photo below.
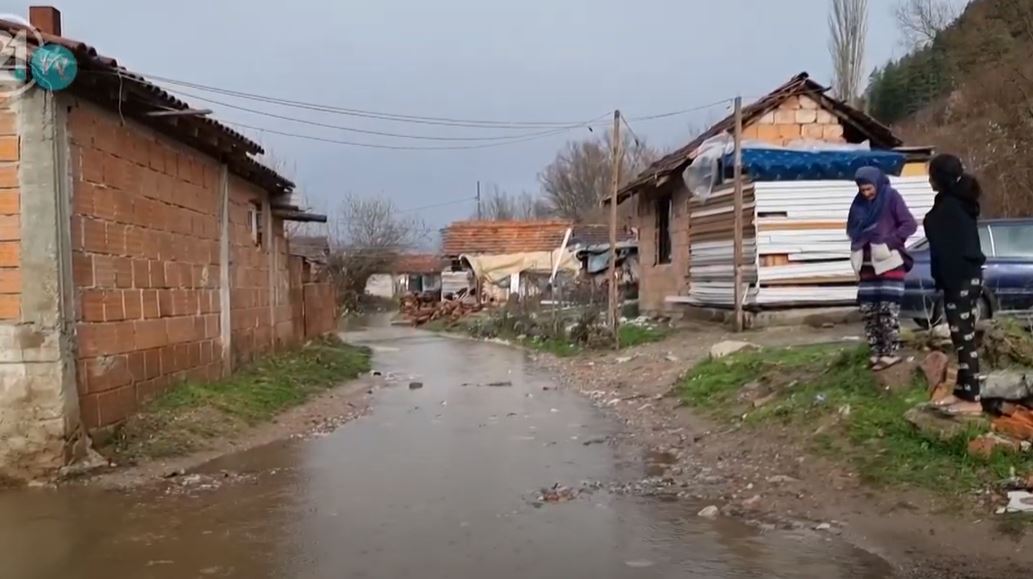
(140, 245)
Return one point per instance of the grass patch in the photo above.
(828, 396)
(636, 335)
(189, 415)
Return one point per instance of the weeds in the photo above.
(184, 418)
(828, 396)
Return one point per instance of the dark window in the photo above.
(664, 210)
(1013, 241)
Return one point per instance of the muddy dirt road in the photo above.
(440, 481)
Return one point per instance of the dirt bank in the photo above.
(304, 392)
(770, 479)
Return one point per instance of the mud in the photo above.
(439, 482)
(771, 481)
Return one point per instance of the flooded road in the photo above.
(438, 482)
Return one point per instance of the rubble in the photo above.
(1008, 385)
(421, 309)
(1018, 502)
(934, 367)
(1017, 423)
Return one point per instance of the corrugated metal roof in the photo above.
(879, 135)
(502, 237)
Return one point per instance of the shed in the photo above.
(685, 244)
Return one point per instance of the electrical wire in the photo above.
(368, 131)
(436, 205)
(393, 147)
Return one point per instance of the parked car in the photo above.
(1007, 275)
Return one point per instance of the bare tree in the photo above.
(848, 29)
(366, 236)
(498, 205)
(920, 21)
(578, 179)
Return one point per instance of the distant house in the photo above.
(793, 232)
(410, 273)
(518, 257)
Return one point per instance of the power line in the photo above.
(396, 147)
(436, 205)
(397, 117)
(373, 132)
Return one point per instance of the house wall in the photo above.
(798, 118)
(40, 428)
(657, 281)
(145, 230)
(147, 251)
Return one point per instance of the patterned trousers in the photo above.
(960, 309)
(882, 327)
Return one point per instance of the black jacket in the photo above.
(952, 229)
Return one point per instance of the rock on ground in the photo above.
(937, 425)
(729, 347)
(935, 368)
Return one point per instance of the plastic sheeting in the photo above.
(496, 268)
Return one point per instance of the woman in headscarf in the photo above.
(879, 225)
(956, 260)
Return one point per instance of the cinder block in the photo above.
(9, 176)
(805, 116)
(10, 307)
(9, 148)
(10, 254)
(808, 103)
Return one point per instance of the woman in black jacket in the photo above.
(956, 259)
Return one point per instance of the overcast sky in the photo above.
(527, 60)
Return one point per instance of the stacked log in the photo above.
(421, 309)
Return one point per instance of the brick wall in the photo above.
(145, 254)
(10, 217)
(251, 325)
(657, 281)
(798, 118)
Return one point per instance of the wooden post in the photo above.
(479, 200)
(613, 312)
(737, 248)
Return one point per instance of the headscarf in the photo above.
(948, 177)
(865, 213)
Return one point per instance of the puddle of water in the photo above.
(436, 483)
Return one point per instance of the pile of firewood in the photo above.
(421, 309)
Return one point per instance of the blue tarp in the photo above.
(790, 165)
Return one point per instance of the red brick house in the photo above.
(141, 244)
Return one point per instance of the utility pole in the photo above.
(737, 249)
(614, 314)
(479, 200)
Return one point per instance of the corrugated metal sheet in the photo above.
(795, 251)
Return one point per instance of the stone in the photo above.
(983, 447)
(752, 503)
(415, 385)
(934, 367)
(897, 378)
(729, 347)
(1008, 385)
(939, 426)
(710, 512)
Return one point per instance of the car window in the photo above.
(984, 240)
(920, 245)
(1012, 241)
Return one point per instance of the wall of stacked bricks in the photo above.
(798, 118)
(10, 219)
(145, 257)
(657, 281)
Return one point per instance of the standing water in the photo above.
(437, 482)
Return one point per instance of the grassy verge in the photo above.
(189, 416)
(828, 397)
